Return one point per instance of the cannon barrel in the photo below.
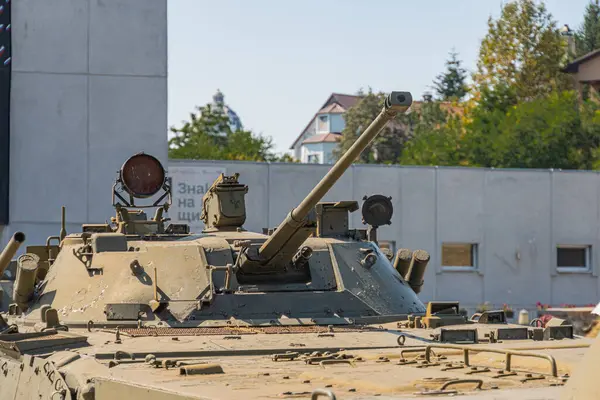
(415, 275)
(394, 103)
(402, 262)
(10, 250)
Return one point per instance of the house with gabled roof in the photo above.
(320, 136)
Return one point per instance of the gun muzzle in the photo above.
(10, 250)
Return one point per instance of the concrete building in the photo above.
(89, 88)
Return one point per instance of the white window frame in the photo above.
(327, 130)
(458, 268)
(575, 269)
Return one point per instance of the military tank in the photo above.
(139, 307)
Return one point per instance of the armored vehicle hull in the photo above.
(141, 309)
(283, 360)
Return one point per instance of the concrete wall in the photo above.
(516, 217)
(89, 89)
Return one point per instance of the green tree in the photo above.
(284, 158)
(208, 136)
(556, 131)
(427, 115)
(435, 145)
(451, 84)
(482, 128)
(587, 37)
(436, 137)
(524, 50)
(387, 146)
(551, 132)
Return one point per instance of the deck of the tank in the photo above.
(250, 372)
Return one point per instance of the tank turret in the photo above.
(138, 268)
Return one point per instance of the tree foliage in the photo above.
(437, 145)
(524, 50)
(552, 132)
(208, 136)
(451, 84)
(427, 115)
(555, 132)
(286, 158)
(523, 113)
(587, 37)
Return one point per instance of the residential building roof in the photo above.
(334, 108)
(573, 66)
(345, 100)
(323, 138)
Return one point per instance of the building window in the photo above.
(459, 256)
(323, 123)
(573, 258)
(313, 158)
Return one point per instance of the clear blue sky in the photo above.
(277, 61)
